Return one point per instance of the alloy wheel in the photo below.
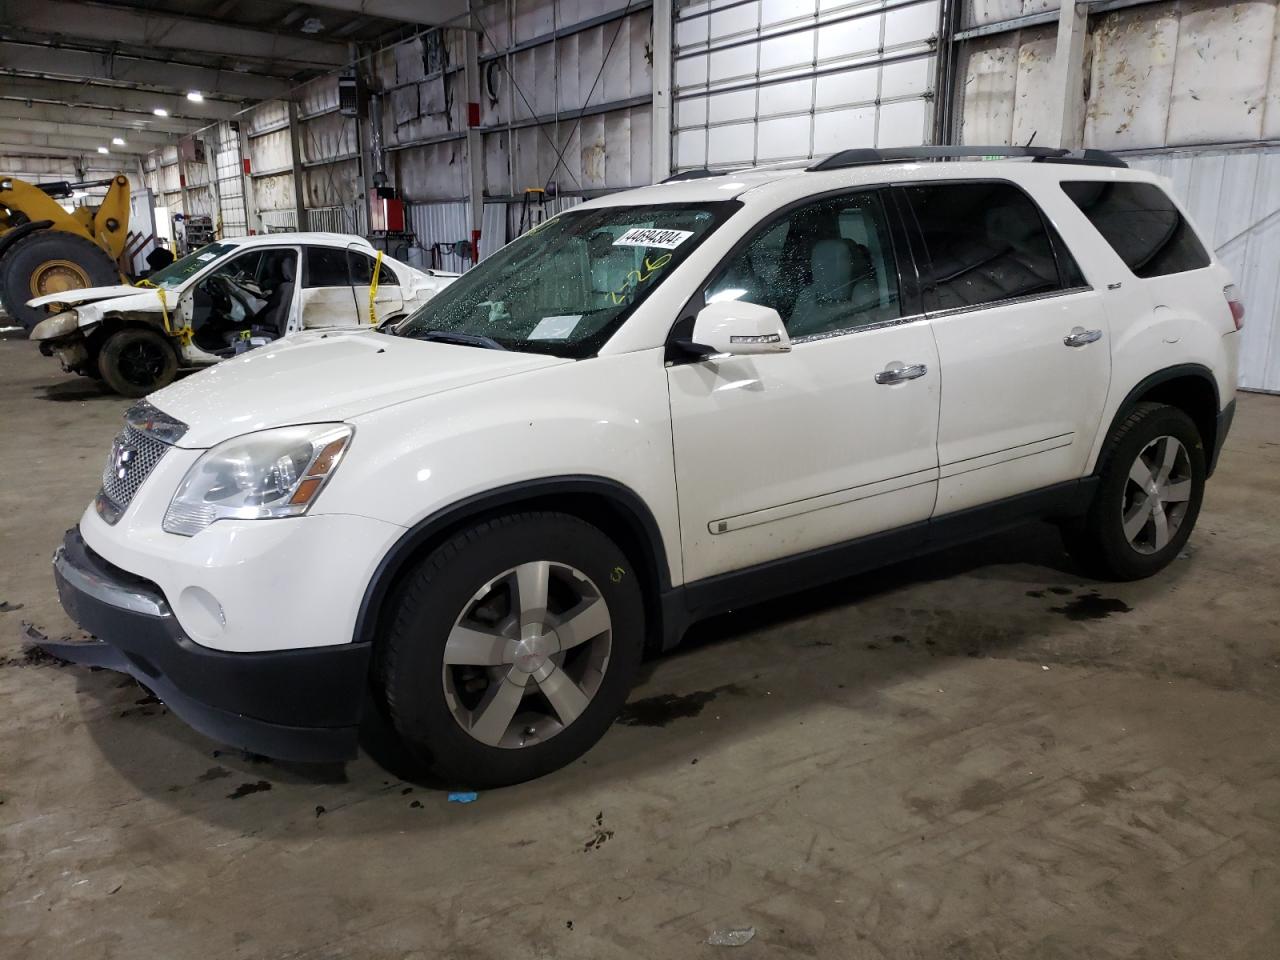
(141, 363)
(527, 654)
(1156, 495)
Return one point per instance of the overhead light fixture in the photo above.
(195, 96)
(312, 25)
(117, 141)
(160, 112)
(103, 150)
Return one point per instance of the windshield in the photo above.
(178, 271)
(566, 285)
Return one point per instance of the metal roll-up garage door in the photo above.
(760, 81)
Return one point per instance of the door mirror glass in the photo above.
(740, 328)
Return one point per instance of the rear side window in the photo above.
(984, 243)
(327, 267)
(1141, 224)
(362, 269)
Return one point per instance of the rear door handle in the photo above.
(1079, 336)
(898, 372)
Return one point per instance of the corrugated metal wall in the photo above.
(271, 166)
(766, 81)
(1161, 74)
(441, 223)
(550, 61)
(1233, 195)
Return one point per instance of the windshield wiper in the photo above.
(464, 339)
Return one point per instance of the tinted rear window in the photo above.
(1141, 224)
(984, 243)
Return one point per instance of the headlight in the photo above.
(274, 473)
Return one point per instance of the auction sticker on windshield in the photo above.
(555, 328)
(653, 237)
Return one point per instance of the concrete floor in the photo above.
(973, 756)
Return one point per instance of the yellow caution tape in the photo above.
(184, 334)
(373, 290)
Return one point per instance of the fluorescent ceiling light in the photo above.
(195, 96)
(103, 150)
(160, 112)
(118, 141)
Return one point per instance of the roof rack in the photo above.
(695, 174)
(865, 156)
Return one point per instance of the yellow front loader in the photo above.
(44, 249)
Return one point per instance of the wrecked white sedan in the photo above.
(224, 299)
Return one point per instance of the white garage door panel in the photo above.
(769, 80)
(793, 97)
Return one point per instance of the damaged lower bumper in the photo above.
(300, 705)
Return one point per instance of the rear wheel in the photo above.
(135, 362)
(49, 262)
(512, 648)
(1152, 473)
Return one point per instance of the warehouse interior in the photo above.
(982, 753)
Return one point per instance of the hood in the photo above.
(88, 295)
(317, 377)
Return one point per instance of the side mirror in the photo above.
(738, 328)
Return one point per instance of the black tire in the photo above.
(1098, 541)
(411, 671)
(135, 362)
(22, 263)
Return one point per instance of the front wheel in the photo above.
(1152, 473)
(511, 648)
(135, 362)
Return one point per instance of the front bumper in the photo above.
(301, 704)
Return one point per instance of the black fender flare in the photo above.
(10, 237)
(1176, 372)
(642, 525)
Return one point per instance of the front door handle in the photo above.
(1079, 336)
(898, 372)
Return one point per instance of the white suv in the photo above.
(654, 407)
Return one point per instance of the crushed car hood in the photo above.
(318, 377)
(90, 295)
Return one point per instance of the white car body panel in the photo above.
(1022, 408)
(73, 298)
(782, 453)
(314, 377)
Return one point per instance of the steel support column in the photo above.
(1064, 128)
(295, 152)
(475, 149)
(660, 127)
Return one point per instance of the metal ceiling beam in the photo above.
(103, 135)
(116, 119)
(284, 69)
(89, 157)
(77, 93)
(174, 77)
(46, 142)
(163, 31)
(433, 13)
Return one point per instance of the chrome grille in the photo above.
(134, 454)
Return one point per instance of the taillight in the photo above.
(1232, 293)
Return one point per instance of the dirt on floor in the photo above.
(976, 755)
